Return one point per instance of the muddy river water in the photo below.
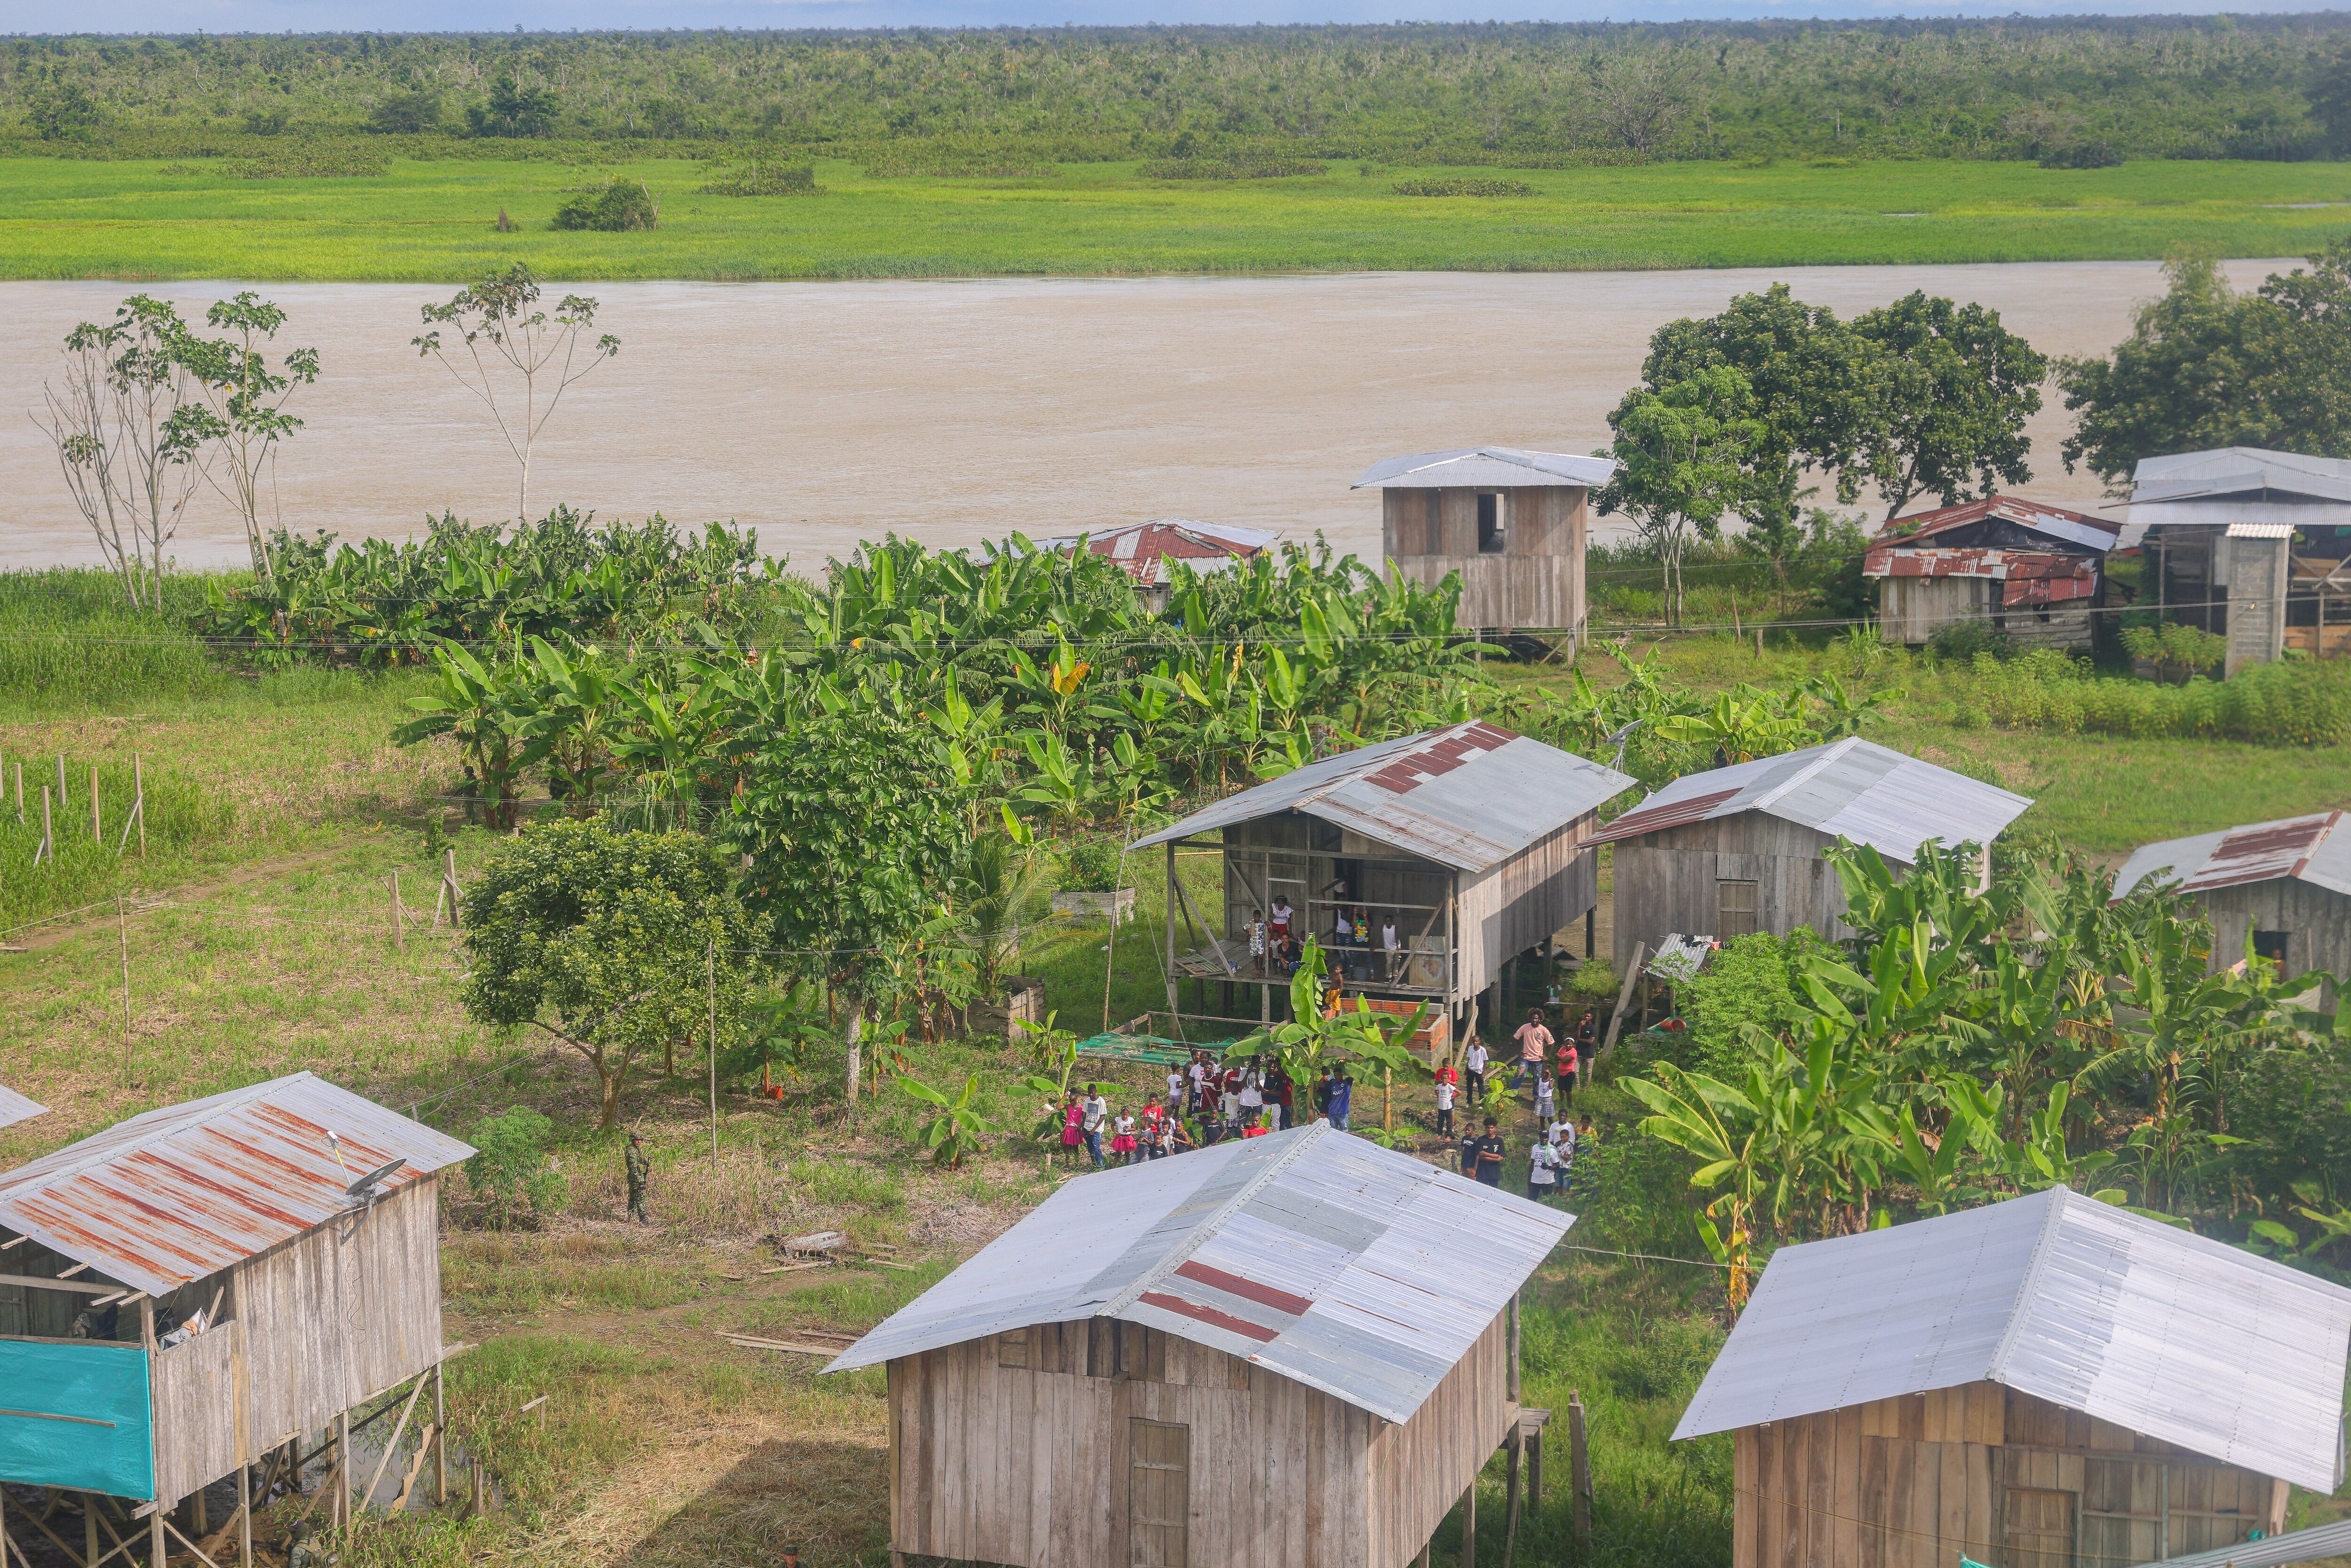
(827, 413)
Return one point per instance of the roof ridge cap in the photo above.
(1828, 754)
(232, 1100)
(1209, 1223)
(2318, 841)
(1996, 1365)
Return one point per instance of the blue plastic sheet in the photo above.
(77, 1416)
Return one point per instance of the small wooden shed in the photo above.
(194, 1288)
(1511, 523)
(1475, 840)
(2284, 885)
(1740, 849)
(2032, 571)
(2248, 542)
(2050, 1382)
(1294, 1349)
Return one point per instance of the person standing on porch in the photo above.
(1391, 945)
(1256, 940)
(1278, 923)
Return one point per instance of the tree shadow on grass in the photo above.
(830, 1499)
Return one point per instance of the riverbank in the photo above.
(141, 220)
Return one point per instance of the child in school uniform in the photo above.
(1122, 1141)
(1546, 1097)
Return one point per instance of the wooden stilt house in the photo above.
(189, 1291)
(1476, 842)
(1510, 524)
(2050, 1382)
(1288, 1349)
(1740, 849)
(2284, 887)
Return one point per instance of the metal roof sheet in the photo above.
(1468, 795)
(1486, 467)
(1311, 1253)
(2314, 849)
(180, 1192)
(15, 1108)
(2073, 528)
(2247, 472)
(2074, 1301)
(2261, 530)
(2271, 1550)
(1853, 788)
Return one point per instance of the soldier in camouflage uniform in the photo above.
(640, 1169)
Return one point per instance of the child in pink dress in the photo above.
(1123, 1143)
(1072, 1114)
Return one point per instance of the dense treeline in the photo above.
(2074, 91)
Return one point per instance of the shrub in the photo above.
(2301, 703)
(1595, 981)
(2174, 647)
(1229, 168)
(2083, 155)
(510, 1172)
(316, 160)
(620, 207)
(1462, 188)
(1968, 639)
(757, 179)
(1089, 866)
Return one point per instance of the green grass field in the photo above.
(141, 220)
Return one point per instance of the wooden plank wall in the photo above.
(1913, 609)
(1419, 1471)
(1664, 881)
(1027, 1464)
(1536, 584)
(1524, 900)
(1917, 1481)
(195, 1391)
(342, 1312)
(2317, 924)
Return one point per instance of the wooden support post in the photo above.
(342, 1515)
(1534, 1469)
(1510, 1496)
(1624, 995)
(1513, 1309)
(155, 1548)
(89, 1527)
(1469, 1525)
(449, 881)
(399, 916)
(20, 794)
(1759, 642)
(46, 849)
(61, 781)
(1173, 899)
(1592, 931)
(1579, 1468)
(122, 942)
(199, 1514)
(97, 829)
(244, 1516)
(440, 1440)
(1421, 1560)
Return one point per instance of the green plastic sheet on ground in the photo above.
(77, 1416)
(1156, 1048)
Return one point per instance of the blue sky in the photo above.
(452, 15)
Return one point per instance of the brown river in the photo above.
(827, 413)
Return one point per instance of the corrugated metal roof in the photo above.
(2261, 530)
(1468, 795)
(1855, 789)
(1312, 1253)
(186, 1191)
(2314, 849)
(2271, 1550)
(2079, 529)
(2086, 1305)
(2026, 577)
(1143, 551)
(15, 1108)
(2252, 472)
(1486, 467)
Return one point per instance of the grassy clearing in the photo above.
(153, 219)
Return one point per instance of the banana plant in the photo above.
(487, 711)
(956, 1130)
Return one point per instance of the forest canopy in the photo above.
(2073, 92)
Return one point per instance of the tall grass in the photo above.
(69, 643)
(2298, 702)
(178, 817)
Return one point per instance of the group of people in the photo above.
(1206, 1103)
(1550, 1158)
(1275, 940)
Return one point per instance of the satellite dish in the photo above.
(365, 1186)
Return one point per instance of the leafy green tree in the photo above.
(510, 1171)
(410, 111)
(612, 943)
(243, 413)
(854, 829)
(1959, 388)
(2205, 366)
(623, 206)
(63, 113)
(1686, 454)
(513, 109)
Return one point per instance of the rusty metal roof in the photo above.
(1852, 789)
(1470, 796)
(1312, 1253)
(1485, 467)
(2077, 528)
(2087, 1305)
(15, 1108)
(1145, 551)
(183, 1192)
(2314, 849)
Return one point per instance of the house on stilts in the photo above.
(186, 1293)
(1294, 1349)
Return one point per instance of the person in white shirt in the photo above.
(1546, 1100)
(1543, 1171)
(1392, 944)
(1199, 1075)
(1096, 1115)
(1473, 1072)
(1175, 1090)
(1443, 1108)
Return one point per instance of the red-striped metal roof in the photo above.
(2075, 527)
(183, 1192)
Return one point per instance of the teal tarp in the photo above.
(76, 1416)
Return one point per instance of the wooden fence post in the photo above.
(399, 916)
(97, 832)
(1579, 1468)
(139, 800)
(48, 847)
(20, 794)
(61, 781)
(1511, 1495)
(440, 1440)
